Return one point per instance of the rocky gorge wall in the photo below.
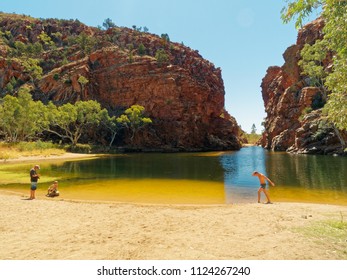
(183, 94)
(294, 120)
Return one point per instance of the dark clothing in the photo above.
(33, 175)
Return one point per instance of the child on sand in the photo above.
(262, 179)
(53, 190)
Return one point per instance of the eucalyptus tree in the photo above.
(134, 119)
(112, 125)
(21, 118)
(71, 121)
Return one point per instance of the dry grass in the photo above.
(331, 233)
(27, 149)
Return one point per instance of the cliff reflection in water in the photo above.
(309, 171)
(193, 178)
(193, 166)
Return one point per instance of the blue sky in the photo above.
(242, 37)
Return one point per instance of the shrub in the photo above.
(80, 148)
(318, 101)
(162, 57)
(142, 49)
(38, 145)
(304, 112)
(56, 76)
(68, 81)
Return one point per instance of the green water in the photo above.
(188, 178)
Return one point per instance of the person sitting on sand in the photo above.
(53, 190)
(262, 179)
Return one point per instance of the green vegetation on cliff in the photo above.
(332, 78)
(40, 45)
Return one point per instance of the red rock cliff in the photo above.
(289, 126)
(183, 94)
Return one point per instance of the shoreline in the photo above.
(25, 195)
(56, 229)
(65, 156)
(37, 159)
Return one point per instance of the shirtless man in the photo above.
(262, 179)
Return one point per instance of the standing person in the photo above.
(262, 180)
(34, 176)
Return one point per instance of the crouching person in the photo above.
(53, 190)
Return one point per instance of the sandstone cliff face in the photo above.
(294, 122)
(183, 95)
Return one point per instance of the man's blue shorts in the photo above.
(33, 186)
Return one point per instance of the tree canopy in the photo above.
(22, 119)
(134, 119)
(108, 23)
(72, 121)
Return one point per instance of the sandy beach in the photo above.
(65, 156)
(61, 229)
(73, 230)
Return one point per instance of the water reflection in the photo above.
(305, 178)
(155, 166)
(191, 177)
(240, 186)
(309, 171)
